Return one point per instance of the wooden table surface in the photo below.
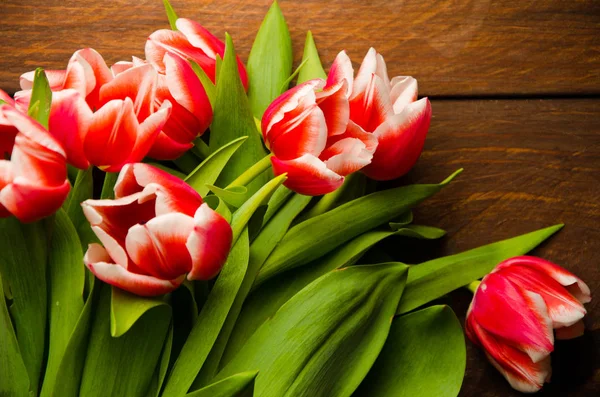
(514, 88)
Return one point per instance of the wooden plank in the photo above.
(454, 47)
(528, 164)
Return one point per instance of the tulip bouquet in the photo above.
(185, 224)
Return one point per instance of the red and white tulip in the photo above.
(514, 312)
(387, 109)
(33, 167)
(307, 130)
(191, 112)
(190, 41)
(155, 233)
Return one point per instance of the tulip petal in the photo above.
(347, 156)
(367, 69)
(371, 107)
(401, 140)
(404, 92)
(174, 42)
(158, 247)
(381, 70)
(98, 261)
(354, 130)
(92, 70)
(148, 132)
(56, 79)
(112, 134)
(6, 173)
(137, 83)
(518, 369)
(208, 244)
(187, 90)
(341, 69)
(574, 285)
(172, 194)
(166, 148)
(120, 67)
(516, 316)
(564, 309)
(307, 175)
(336, 109)
(69, 120)
(29, 201)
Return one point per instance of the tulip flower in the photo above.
(307, 130)
(191, 112)
(33, 168)
(156, 231)
(388, 110)
(190, 41)
(513, 314)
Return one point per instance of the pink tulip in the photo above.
(190, 41)
(307, 130)
(513, 314)
(33, 169)
(191, 112)
(154, 232)
(388, 110)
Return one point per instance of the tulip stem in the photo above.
(110, 179)
(200, 148)
(473, 285)
(251, 173)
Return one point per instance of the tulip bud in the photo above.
(155, 232)
(514, 312)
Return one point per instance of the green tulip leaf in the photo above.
(312, 68)
(234, 196)
(325, 339)
(66, 280)
(127, 308)
(402, 220)
(81, 191)
(260, 249)
(232, 118)
(187, 162)
(23, 268)
(209, 86)
(210, 321)
(13, 377)
(318, 235)
(270, 61)
(219, 206)
(430, 280)
(424, 355)
(123, 366)
(41, 98)
(170, 14)
(161, 371)
(420, 232)
(263, 302)
(169, 170)
(210, 169)
(108, 186)
(238, 385)
(279, 197)
(286, 83)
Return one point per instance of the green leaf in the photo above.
(81, 191)
(286, 83)
(238, 385)
(209, 87)
(187, 162)
(171, 171)
(260, 249)
(421, 232)
(234, 196)
(41, 98)
(127, 308)
(323, 341)
(270, 296)
(210, 169)
(13, 377)
(424, 355)
(123, 366)
(242, 216)
(161, 370)
(170, 14)
(402, 220)
(321, 234)
(232, 118)
(210, 321)
(66, 280)
(270, 61)
(432, 279)
(108, 187)
(219, 206)
(313, 68)
(279, 197)
(352, 188)
(24, 249)
(68, 376)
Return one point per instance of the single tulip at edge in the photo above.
(155, 233)
(514, 312)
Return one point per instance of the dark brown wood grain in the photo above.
(454, 47)
(527, 164)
